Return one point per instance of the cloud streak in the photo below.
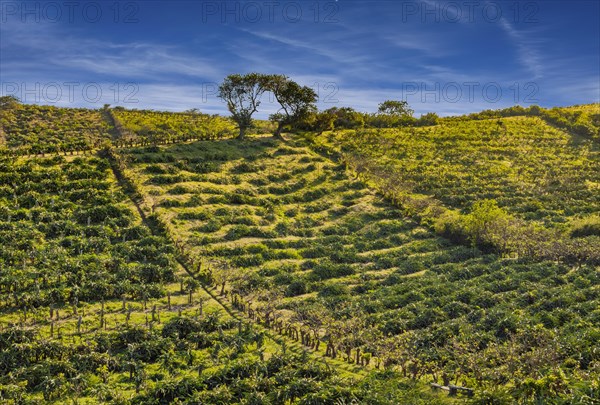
(528, 55)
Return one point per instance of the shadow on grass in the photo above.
(205, 156)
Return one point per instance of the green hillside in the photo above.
(160, 127)
(287, 231)
(96, 308)
(170, 263)
(540, 183)
(32, 129)
(535, 171)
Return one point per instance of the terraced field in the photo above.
(96, 309)
(286, 230)
(306, 271)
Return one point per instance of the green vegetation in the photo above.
(32, 129)
(95, 309)
(304, 248)
(153, 127)
(70, 242)
(540, 177)
(357, 265)
(583, 120)
(242, 94)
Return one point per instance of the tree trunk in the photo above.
(277, 134)
(242, 134)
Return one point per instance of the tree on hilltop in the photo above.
(242, 95)
(297, 103)
(393, 107)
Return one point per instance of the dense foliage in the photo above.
(197, 359)
(67, 236)
(543, 180)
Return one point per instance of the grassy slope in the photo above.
(45, 208)
(284, 218)
(33, 129)
(270, 209)
(532, 169)
(49, 134)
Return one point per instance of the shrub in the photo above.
(296, 288)
(213, 225)
(333, 290)
(180, 189)
(326, 269)
(155, 169)
(165, 179)
(181, 327)
(205, 167)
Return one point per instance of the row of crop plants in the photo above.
(316, 256)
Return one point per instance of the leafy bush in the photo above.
(333, 290)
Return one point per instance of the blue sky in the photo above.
(451, 57)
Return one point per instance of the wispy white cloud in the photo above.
(133, 60)
(329, 49)
(528, 54)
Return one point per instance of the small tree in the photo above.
(296, 102)
(190, 285)
(346, 117)
(393, 107)
(428, 119)
(242, 95)
(324, 121)
(486, 223)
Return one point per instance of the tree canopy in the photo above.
(242, 95)
(393, 107)
(296, 102)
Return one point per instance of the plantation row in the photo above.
(532, 189)
(67, 236)
(37, 130)
(33, 129)
(95, 310)
(311, 254)
(192, 358)
(154, 127)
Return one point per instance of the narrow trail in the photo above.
(112, 124)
